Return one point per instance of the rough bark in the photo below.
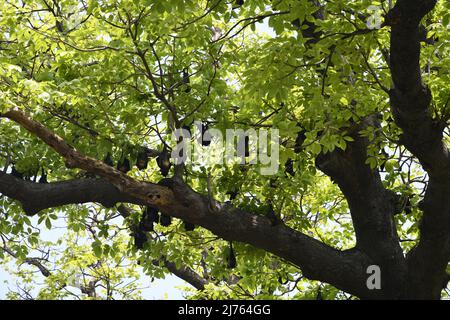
(371, 208)
(35, 197)
(422, 136)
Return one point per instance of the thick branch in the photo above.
(410, 98)
(371, 206)
(317, 260)
(185, 273)
(422, 135)
(345, 270)
(35, 197)
(151, 193)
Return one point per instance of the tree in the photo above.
(360, 96)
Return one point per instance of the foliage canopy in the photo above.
(113, 78)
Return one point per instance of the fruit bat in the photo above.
(124, 165)
(165, 220)
(163, 161)
(142, 160)
(231, 259)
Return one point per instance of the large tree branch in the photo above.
(35, 197)
(372, 215)
(372, 207)
(410, 98)
(317, 260)
(185, 273)
(422, 135)
(152, 194)
(344, 269)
